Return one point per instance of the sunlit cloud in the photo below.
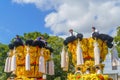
(80, 15)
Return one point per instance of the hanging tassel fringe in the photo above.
(51, 67)
(6, 65)
(13, 63)
(96, 53)
(27, 62)
(41, 64)
(9, 64)
(66, 62)
(63, 58)
(114, 56)
(80, 60)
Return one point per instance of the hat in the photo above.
(78, 68)
(38, 38)
(93, 27)
(17, 35)
(97, 67)
(70, 30)
(88, 68)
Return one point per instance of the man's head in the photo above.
(17, 36)
(38, 38)
(78, 68)
(97, 68)
(93, 29)
(71, 30)
(88, 69)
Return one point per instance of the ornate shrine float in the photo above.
(87, 56)
(29, 61)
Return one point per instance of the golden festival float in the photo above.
(29, 61)
(88, 55)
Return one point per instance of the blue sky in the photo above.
(56, 17)
(20, 19)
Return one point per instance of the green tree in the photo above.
(117, 40)
(3, 51)
(56, 43)
(31, 35)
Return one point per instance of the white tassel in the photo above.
(47, 68)
(41, 64)
(66, 62)
(9, 64)
(63, 58)
(80, 60)
(6, 65)
(13, 63)
(96, 53)
(27, 62)
(51, 67)
(114, 56)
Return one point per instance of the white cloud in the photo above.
(80, 15)
(41, 4)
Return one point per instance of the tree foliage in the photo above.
(56, 43)
(117, 40)
(3, 51)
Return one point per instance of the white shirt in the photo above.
(78, 72)
(99, 72)
(94, 31)
(73, 34)
(87, 72)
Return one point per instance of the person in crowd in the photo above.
(87, 71)
(98, 71)
(72, 33)
(41, 38)
(78, 71)
(18, 39)
(38, 39)
(95, 32)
